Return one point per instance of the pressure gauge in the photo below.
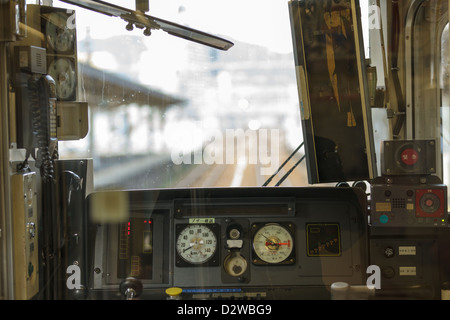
(196, 244)
(273, 244)
(60, 31)
(62, 70)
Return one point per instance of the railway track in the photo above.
(248, 166)
(242, 174)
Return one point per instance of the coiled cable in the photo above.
(39, 98)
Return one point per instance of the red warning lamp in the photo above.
(409, 156)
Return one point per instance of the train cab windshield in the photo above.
(233, 150)
(180, 114)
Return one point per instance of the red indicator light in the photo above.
(409, 156)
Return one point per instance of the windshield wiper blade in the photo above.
(283, 164)
(143, 21)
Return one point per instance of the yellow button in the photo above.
(173, 292)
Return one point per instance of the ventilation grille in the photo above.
(398, 203)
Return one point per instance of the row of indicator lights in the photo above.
(384, 219)
(129, 225)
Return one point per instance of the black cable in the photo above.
(282, 165)
(395, 69)
(39, 97)
(43, 134)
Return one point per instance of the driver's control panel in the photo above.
(242, 243)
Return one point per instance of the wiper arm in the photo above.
(290, 171)
(140, 20)
(283, 164)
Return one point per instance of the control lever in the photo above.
(131, 288)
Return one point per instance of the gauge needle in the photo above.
(193, 244)
(277, 243)
(271, 241)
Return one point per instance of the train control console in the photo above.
(228, 243)
(409, 221)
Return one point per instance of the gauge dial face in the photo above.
(60, 32)
(273, 244)
(62, 71)
(196, 243)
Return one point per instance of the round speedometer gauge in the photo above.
(196, 244)
(62, 70)
(273, 243)
(60, 31)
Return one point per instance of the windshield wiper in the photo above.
(282, 165)
(142, 21)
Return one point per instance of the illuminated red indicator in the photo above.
(409, 156)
